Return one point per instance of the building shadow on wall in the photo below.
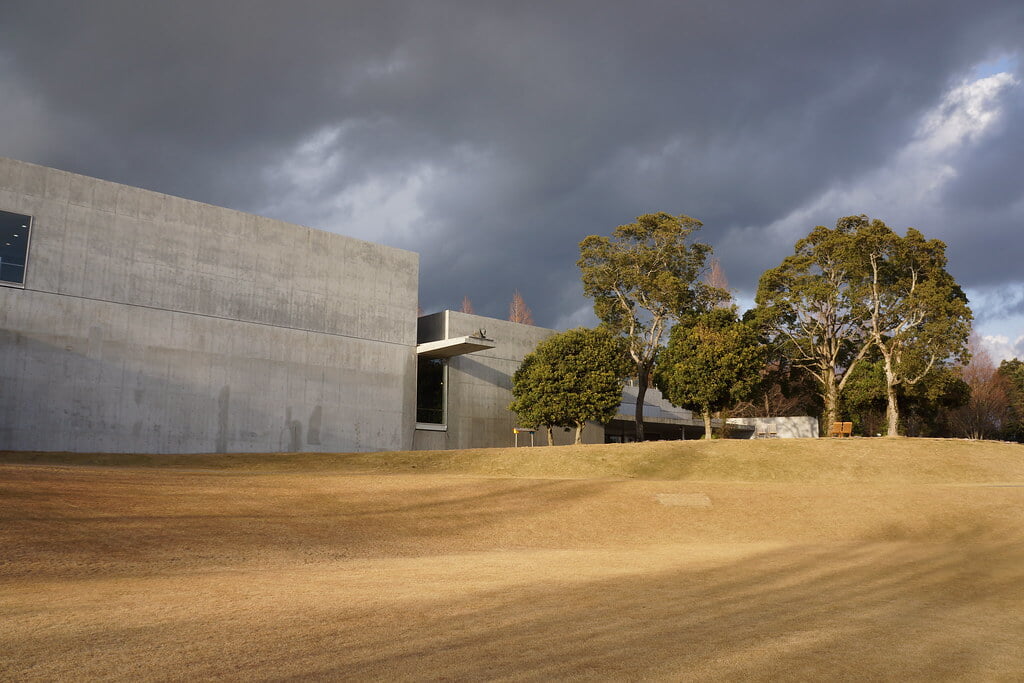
(484, 373)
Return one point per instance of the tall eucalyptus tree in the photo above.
(643, 278)
(811, 305)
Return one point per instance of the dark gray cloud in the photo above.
(492, 137)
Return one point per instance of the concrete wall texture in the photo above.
(156, 324)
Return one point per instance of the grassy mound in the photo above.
(783, 460)
(775, 560)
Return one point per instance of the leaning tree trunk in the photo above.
(579, 432)
(551, 436)
(707, 424)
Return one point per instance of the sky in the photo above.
(491, 137)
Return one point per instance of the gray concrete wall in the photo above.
(157, 324)
(480, 385)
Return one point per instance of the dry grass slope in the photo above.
(779, 560)
(781, 460)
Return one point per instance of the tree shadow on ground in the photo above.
(69, 522)
(908, 610)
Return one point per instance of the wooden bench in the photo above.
(841, 429)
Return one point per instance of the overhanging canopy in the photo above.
(456, 346)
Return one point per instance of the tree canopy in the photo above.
(570, 378)
(811, 306)
(642, 278)
(915, 313)
(927, 408)
(712, 362)
(862, 286)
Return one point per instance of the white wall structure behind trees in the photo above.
(802, 427)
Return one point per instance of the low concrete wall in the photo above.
(156, 324)
(802, 427)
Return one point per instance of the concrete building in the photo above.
(476, 386)
(144, 322)
(136, 321)
(662, 420)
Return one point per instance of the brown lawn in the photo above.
(861, 559)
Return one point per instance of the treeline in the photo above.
(859, 323)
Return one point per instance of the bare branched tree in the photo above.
(988, 409)
(716, 278)
(518, 311)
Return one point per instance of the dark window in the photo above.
(14, 229)
(430, 394)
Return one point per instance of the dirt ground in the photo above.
(173, 573)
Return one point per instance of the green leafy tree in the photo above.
(570, 378)
(927, 408)
(864, 396)
(536, 395)
(784, 391)
(643, 278)
(711, 363)
(914, 312)
(810, 306)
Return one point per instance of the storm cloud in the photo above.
(492, 137)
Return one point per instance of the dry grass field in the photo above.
(728, 560)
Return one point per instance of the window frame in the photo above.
(28, 246)
(443, 424)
